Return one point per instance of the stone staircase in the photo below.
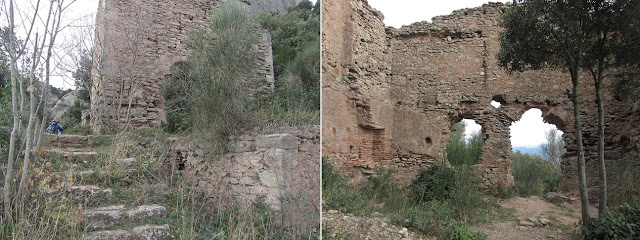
(106, 215)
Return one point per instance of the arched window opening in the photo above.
(537, 152)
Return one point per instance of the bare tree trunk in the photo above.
(32, 106)
(37, 129)
(14, 108)
(602, 205)
(129, 109)
(134, 86)
(582, 178)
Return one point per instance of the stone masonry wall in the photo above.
(283, 167)
(394, 94)
(137, 42)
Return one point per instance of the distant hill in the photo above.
(529, 150)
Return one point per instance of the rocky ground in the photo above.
(339, 225)
(533, 218)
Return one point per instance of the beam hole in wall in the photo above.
(495, 104)
(497, 100)
(465, 143)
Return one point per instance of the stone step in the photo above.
(141, 213)
(107, 217)
(75, 141)
(144, 232)
(80, 194)
(81, 157)
(108, 235)
(104, 217)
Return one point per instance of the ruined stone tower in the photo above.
(394, 94)
(137, 42)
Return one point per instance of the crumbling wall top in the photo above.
(463, 23)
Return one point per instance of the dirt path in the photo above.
(510, 231)
(564, 219)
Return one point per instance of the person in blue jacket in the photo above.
(55, 127)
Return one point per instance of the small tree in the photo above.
(553, 149)
(593, 35)
(461, 151)
(551, 33)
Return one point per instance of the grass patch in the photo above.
(440, 211)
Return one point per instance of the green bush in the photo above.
(434, 183)
(427, 217)
(460, 231)
(623, 223)
(207, 94)
(533, 175)
(296, 58)
(72, 117)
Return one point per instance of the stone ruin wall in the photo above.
(138, 41)
(282, 167)
(391, 96)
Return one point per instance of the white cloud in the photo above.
(530, 130)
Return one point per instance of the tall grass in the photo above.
(223, 66)
(623, 181)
